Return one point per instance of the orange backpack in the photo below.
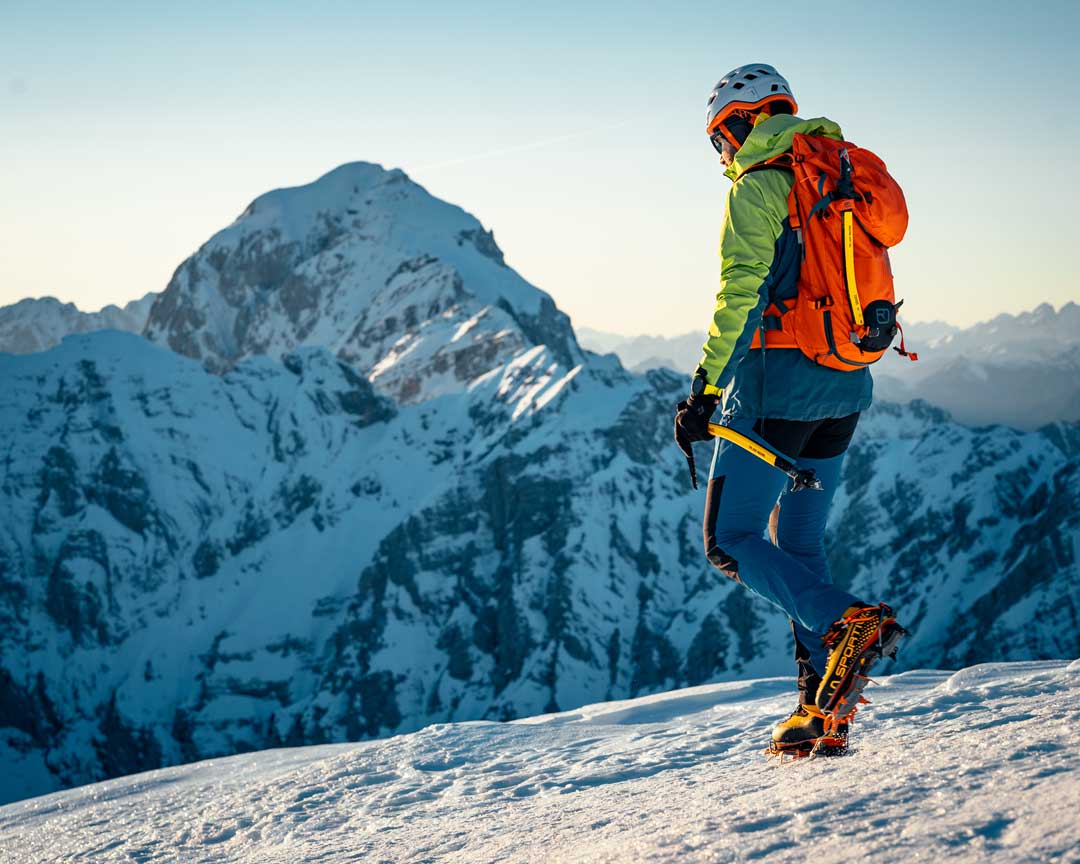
(846, 210)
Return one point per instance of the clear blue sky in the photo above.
(131, 132)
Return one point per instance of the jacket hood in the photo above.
(773, 136)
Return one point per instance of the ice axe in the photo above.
(801, 478)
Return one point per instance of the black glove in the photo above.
(692, 417)
(692, 420)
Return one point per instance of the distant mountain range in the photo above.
(38, 324)
(1021, 370)
(358, 476)
(981, 374)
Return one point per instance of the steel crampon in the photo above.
(829, 743)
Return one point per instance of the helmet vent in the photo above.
(747, 89)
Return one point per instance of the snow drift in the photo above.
(975, 765)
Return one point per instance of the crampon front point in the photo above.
(824, 746)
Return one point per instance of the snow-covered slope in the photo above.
(38, 324)
(976, 765)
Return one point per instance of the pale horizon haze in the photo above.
(130, 133)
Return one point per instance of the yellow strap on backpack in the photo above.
(849, 267)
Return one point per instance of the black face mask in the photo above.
(739, 128)
(734, 129)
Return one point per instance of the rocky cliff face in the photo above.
(973, 532)
(425, 503)
(196, 564)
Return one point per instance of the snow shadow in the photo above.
(666, 707)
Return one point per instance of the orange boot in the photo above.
(804, 732)
(862, 636)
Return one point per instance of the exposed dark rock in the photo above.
(123, 492)
(75, 604)
(59, 481)
(123, 748)
(28, 708)
(296, 497)
(459, 661)
(253, 528)
(549, 327)
(206, 559)
(706, 656)
(485, 244)
(361, 401)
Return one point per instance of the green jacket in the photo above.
(759, 262)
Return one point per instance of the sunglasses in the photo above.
(718, 139)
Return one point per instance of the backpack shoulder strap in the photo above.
(785, 162)
(782, 162)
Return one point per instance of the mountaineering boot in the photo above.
(804, 733)
(862, 636)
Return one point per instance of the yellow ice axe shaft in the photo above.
(804, 478)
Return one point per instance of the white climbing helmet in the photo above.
(748, 88)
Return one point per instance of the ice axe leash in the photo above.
(801, 478)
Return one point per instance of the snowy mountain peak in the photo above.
(355, 189)
(335, 189)
(412, 291)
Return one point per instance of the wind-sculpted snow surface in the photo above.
(975, 765)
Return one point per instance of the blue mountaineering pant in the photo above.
(793, 574)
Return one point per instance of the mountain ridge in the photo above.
(37, 324)
(388, 489)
